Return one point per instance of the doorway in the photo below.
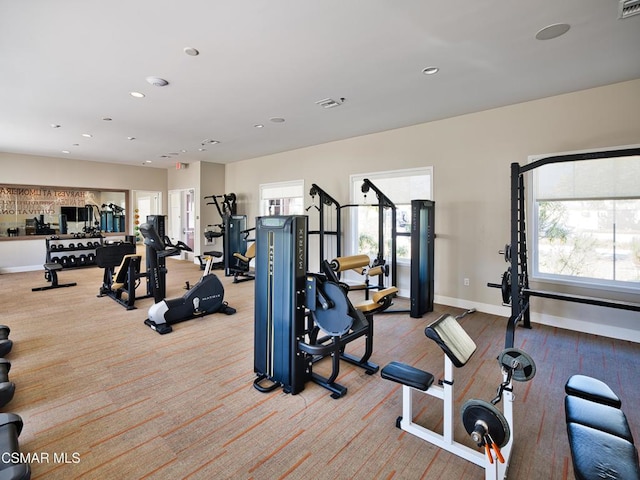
(182, 216)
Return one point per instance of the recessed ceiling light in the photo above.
(65, 151)
(147, 161)
(55, 125)
(87, 135)
(259, 125)
(430, 70)
(183, 151)
(136, 94)
(157, 81)
(131, 138)
(202, 149)
(210, 142)
(191, 51)
(552, 31)
(107, 119)
(277, 119)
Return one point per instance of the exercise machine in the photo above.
(514, 285)
(329, 223)
(300, 317)
(489, 428)
(226, 206)
(122, 273)
(239, 250)
(204, 298)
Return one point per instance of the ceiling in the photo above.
(73, 63)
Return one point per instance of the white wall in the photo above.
(471, 156)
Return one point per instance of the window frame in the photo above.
(533, 237)
(285, 185)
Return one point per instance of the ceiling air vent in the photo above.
(628, 8)
(330, 102)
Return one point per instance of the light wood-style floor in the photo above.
(123, 402)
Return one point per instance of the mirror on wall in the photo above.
(27, 210)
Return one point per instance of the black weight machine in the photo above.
(329, 223)
(239, 249)
(226, 206)
(422, 237)
(515, 281)
(122, 273)
(294, 307)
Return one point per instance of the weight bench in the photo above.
(600, 439)
(11, 466)
(489, 428)
(51, 275)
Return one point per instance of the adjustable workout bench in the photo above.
(51, 275)
(599, 435)
(489, 428)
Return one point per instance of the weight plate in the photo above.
(506, 286)
(507, 253)
(525, 367)
(335, 320)
(480, 411)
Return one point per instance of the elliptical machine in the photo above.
(205, 297)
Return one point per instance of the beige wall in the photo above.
(471, 155)
(63, 172)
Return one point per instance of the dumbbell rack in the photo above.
(72, 252)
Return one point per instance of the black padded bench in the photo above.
(51, 275)
(600, 439)
(407, 375)
(11, 466)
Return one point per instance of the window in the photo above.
(587, 222)
(399, 186)
(282, 198)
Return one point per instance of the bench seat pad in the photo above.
(596, 415)
(592, 389)
(407, 375)
(597, 455)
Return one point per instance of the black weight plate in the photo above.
(334, 321)
(525, 367)
(506, 286)
(478, 410)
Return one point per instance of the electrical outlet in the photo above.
(466, 282)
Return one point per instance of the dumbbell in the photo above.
(5, 344)
(7, 388)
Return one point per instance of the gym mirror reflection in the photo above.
(27, 210)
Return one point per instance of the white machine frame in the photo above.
(493, 470)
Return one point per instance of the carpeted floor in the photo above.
(103, 396)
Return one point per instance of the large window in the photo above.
(587, 222)
(399, 186)
(282, 198)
